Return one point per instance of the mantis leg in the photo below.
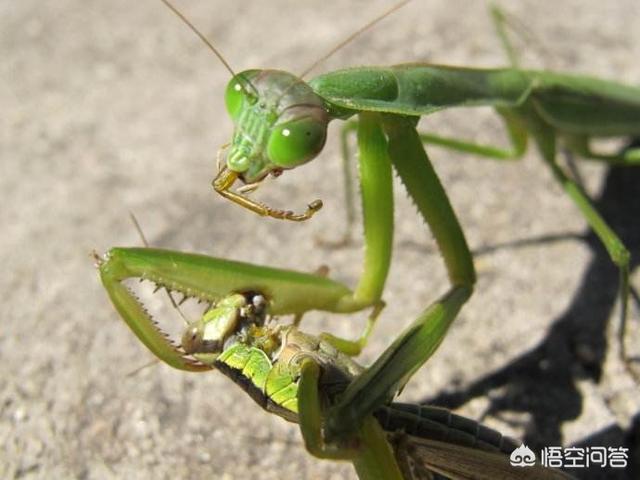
(367, 447)
(380, 382)
(376, 187)
(421, 181)
(580, 145)
(310, 416)
(348, 128)
(545, 137)
(517, 138)
(515, 130)
(349, 195)
(209, 279)
(499, 21)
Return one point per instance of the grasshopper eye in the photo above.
(192, 339)
(297, 141)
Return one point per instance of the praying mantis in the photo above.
(281, 123)
(404, 142)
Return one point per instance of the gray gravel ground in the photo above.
(110, 107)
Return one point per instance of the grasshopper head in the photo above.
(232, 313)
(280, 123)
(206, 338)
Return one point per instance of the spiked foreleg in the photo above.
(379, 383)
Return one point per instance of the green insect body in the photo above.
(264, 358)
(285, 292)
(569, 103)
(387, 102)
(267, 114)
(346, 412)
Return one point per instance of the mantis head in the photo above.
(280, 123)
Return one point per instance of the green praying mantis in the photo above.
(281, 123)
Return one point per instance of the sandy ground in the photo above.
(111, 107)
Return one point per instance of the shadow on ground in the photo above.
(542, 382)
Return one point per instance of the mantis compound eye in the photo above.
(296, 141)
(237, 93)
(234, 98)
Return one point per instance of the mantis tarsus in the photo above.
(303, 378)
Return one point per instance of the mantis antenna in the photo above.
(351, 37)
(206, 41)
(175, 304)
(137, 370)
(200, 35)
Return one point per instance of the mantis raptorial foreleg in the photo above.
(377, 208)
(302, 379)
(394, 367)
(517, 136)
(383, 141)
(519, 124)
(376, 187)
(368, 449)
(208, 280)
